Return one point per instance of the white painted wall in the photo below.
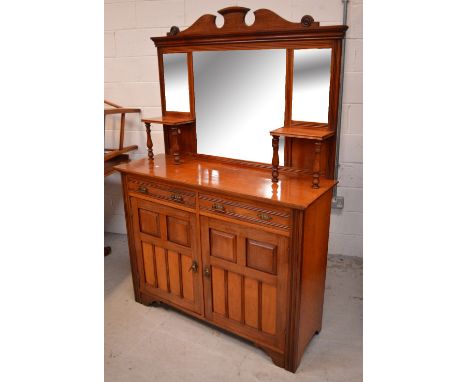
(131, 79)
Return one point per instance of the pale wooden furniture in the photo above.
(113, 157)
(239, 244)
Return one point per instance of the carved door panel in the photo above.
(245, 281)
(167, 253)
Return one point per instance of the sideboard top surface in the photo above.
(292, 190)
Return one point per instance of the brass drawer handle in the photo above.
(218, 208)
(264, 216)
(177, 198)
(142, 189)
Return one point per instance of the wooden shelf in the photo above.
(120, 110)
(171, 120)
(109, 165)
(304, 132)
(113, 153)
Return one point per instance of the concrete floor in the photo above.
(157, 344)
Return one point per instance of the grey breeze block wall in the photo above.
(131, 79)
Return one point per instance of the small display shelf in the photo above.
(175, 121)
(171, 120)
(303, 132)
(315, 131)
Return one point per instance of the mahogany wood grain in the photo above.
(161, 191)
(251, 296)
(288, 87)
(265, 292)
(269, 31)
(316, 175)
(230, 180)
(275, 159)
(161, 271)
(259, 246)
(175, 144)
(170, 120)
(267, 25)
(191, 82)
(234, 291)
(261, 214)
(232, 287)
(313, 269)
(187, 277)
(303, 133)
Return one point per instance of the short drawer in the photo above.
(246, 210)
(162, 191)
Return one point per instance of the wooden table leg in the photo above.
(275, 160)
(149, 141)
(175, 144)
(316, 169)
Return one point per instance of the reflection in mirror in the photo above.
(176, 85)
(239, 99)
(311, 85)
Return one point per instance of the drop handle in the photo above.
(177, 198)
(218, 208)
(206, 272)
(194, 267)
(142, 189)
(264, 216)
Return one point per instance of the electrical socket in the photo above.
(338, 202)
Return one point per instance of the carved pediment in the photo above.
(234, 22)
(266, 23)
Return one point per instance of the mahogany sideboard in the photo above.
(226, 245)
(225, 236)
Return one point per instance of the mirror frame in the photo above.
(269, 31)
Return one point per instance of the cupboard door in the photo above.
(167, 253)
(245, 281)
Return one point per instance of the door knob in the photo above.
(194, 267)
(206, 272)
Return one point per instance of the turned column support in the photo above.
(175, 144)
(316, 169)
(275, 160)
(149, 141)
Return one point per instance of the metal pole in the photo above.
(340, 102)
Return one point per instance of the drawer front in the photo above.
(246, 211)
(161, 191)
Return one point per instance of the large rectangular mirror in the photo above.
(311, 85)
(176, 85)
(239, 99)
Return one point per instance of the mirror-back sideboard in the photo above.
(236, 242)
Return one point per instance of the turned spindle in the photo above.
(149, 141)
(316, 169)
(175, 144)
(275, 160)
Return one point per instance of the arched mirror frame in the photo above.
(269, 31)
